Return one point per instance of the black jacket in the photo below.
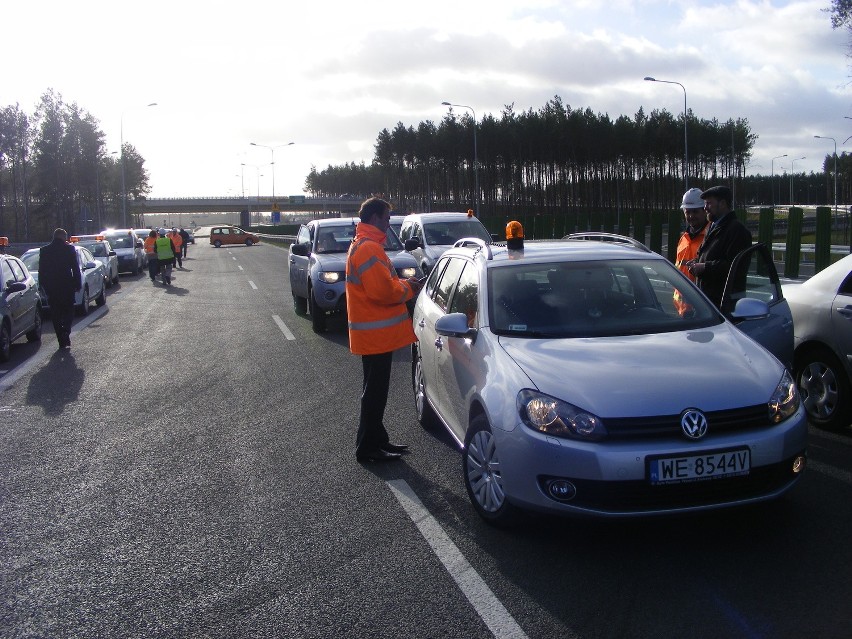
(720, 246)
(59, 273)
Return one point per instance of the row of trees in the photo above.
(55, 170)
(564, 159)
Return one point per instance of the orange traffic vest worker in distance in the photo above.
(378, 325)
(687, 247)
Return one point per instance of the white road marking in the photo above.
(239, 267)
(283, 328)
(488, 607)
(234, 258)
(253, 285)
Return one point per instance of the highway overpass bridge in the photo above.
(263, 204)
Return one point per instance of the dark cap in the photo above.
(721, 192)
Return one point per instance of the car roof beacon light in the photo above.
(515, 236)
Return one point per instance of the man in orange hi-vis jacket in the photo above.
(378, 325)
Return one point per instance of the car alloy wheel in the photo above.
(217, 244)
(100, 300)
(300, 305)
(249, 242)
(824, 389)
(483, 476)
(84, 306)
(421, 403)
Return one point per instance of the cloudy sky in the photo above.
(328, 75)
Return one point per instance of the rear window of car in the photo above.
(121, 240)
(447, 233)
(596, 298)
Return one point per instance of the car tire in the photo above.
(115, 279)
(217, 244)
(249, 242)
(100, 300)
(5, 342)
(300, 305)
(83, 309)
(35, 333)
(107, 282)
(135, 270)
(824, 388)
(318, 323)
(421, 402)
(482, 475)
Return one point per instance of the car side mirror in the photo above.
(89, 265)
(15, 287)
(111, 253)
(302, 250)
(749, 308)
(454, 325)
(412, 243)
(495, 237)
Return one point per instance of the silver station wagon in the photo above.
(575, 384)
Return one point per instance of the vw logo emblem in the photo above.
(693, 423)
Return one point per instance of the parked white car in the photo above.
(92, 286)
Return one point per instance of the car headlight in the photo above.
(406, 273)
(552, 416)
(331, 277)
(785, 399)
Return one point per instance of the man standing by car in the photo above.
(60, 277)
(378, 325)
(184, 236)
(687, 247)
(725, 238)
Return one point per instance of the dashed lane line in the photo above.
(283, 328)
(501, 624)
(253, 285)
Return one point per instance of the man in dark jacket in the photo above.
(725, 238)
(59, 275)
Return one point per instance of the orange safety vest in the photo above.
(150, 244)
(687, 249)
(375, 296)
(177, 240)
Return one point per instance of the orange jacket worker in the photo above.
(378, 325)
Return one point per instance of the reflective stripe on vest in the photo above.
(368, 326)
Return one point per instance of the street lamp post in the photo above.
(123, 186)
(824, 137)
(792, 164)
(475, 155)
(685, 146)
(272, 151)
(772, 179)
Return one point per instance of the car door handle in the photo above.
(845, 311)
(439, 344)
(421, 323)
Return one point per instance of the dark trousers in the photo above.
(62, 316)
(179, 258)
(153, 266)
(374, 398)
(183, 250)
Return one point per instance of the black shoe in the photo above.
(378, 455)
(395, 448)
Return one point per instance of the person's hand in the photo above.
(415, 284)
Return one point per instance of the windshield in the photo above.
(121, 240)
(593, 299)
(31, 260)
(336, 239)
(442, 233)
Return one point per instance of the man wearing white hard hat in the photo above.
(687, 247)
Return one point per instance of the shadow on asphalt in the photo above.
(44, 390)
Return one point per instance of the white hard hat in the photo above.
(692, 199)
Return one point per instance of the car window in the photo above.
(596, 298)
(846, 286)
(6, 276)
(18, 270)
(122, 240)
(303, 235)
(752, 275)
(447, 233)
(434, 275)
(466, 296)
(447, 282)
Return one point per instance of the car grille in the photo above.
(641, 496)
(669, 425)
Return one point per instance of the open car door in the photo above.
(753, 275)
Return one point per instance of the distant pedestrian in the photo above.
(184, 235)
(60, 277)
(177, 240)
(151, 253)
(165, 256)
(725, 239)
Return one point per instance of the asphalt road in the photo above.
(188, 471)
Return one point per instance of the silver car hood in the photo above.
(643, 375)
